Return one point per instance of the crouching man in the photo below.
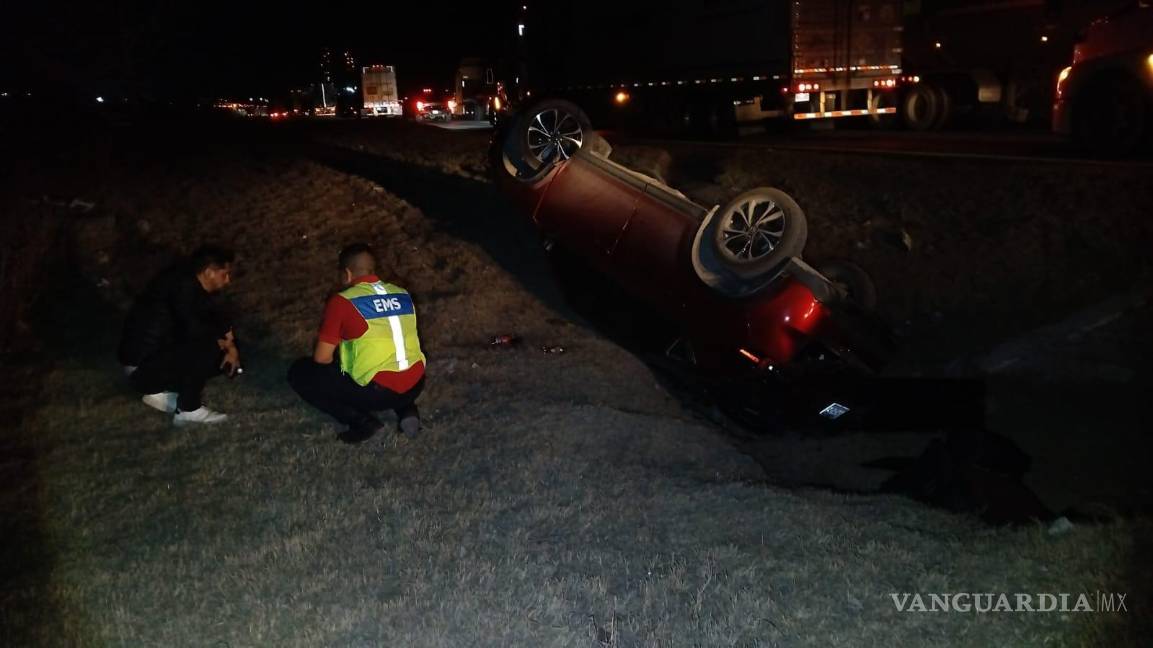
(177, 337)
(380, 365)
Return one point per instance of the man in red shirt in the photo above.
(379, 366)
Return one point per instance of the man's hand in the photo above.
(324, 353)
(231, 362)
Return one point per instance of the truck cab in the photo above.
(1104, 100)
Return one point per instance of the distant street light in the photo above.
(520, 29)
(99, 99)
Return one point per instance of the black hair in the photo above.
(350, 252)
(209, 255)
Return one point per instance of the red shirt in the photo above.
(343, 322)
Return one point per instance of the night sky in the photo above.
(198, 48)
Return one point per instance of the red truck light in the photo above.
(420, 105)
(1061, 80)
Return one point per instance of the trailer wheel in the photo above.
(920, 107)
(944, 107)
(883, 100)
(757, 231)
(1110, 117)
(551, 131)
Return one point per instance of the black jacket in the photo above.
(174, 309)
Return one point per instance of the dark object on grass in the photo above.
(360, 431)
(504, 341)
(969, 471)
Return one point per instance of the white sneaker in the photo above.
(199, 415)
(163, 401)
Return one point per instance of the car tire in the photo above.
(755, 233)
(506, 155)
(550, 131)
(851, 280)
(504, 158)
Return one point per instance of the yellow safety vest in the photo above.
(391, 342)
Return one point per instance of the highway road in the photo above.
(1035, 147)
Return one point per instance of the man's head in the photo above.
(356, 260)
(213, 267)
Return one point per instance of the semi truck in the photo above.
(717, 65)
(378, 87)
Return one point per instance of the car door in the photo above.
(586, 208)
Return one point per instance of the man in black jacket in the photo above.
(176, 337)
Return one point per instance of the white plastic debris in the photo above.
(82, 205)
(1060, 526)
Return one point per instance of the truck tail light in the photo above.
(1061, 80)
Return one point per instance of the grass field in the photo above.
(553, 500)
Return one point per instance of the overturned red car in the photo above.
(730, 276)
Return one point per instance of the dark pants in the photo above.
(334, 393)
(183, 368)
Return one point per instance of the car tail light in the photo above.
(761, 363)
(451, 105)
(496, 102)
(420, 105)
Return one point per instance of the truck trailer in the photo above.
(378, 87)
(713, 66)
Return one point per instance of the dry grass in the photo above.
(555, 500)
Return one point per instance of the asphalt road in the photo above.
(1039, 147)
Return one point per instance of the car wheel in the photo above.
(851, 280)
(551, 131)
(757, 231)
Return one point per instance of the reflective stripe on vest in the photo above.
(391, 342)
